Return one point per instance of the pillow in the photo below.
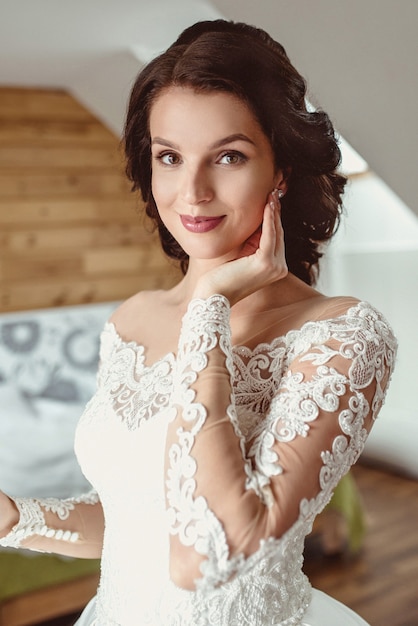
(48, 365)
(36, 446)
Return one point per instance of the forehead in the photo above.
(182, 110)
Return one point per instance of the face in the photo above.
(212, 170)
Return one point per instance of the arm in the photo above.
(72, 527)
(223, 498)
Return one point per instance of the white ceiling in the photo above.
(359, 57)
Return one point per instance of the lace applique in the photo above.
(206, 325)
(257, 374)
(135, 392)
(367, 345)
(298, 402)
(368, 342)
(291, 411)
(189, 516)
(267, 590)
(32, 518)
(270, 402)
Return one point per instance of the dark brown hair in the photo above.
(245, 61)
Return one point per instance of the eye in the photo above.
(232, 158)
(168, 158)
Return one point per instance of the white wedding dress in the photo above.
(217, 459)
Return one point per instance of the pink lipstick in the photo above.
(200, 224)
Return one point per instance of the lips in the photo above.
(200, 224)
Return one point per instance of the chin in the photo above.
(220, 255)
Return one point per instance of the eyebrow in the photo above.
(217, 144)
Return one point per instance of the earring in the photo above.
(280, 193)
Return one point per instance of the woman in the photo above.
(228, 407)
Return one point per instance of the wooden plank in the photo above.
(53, 157)
(35, 212)
(40, 104)
(380, 583)
(124, 260)
(31, 132)
(80, 263)
(26, 242)
(26, 295)
(15, 268)
(77, 182)
(71, 231)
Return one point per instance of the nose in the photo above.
(196, 186)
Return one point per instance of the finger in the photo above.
(278, 228)
(279, 232)
(268, 233)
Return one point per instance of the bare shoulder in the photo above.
(148, 318)
(335, 306)
(134, 305)
(132, 316)
(300, 303)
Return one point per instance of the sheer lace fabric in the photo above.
(45, 521)
(212, 463)
(201, 462)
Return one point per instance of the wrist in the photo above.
(10, 516)
(205, 290)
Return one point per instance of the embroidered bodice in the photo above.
(212, 463)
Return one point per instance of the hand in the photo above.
(9, 515)
(261, 261)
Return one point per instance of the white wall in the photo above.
(375, 257)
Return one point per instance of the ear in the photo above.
(282, 179)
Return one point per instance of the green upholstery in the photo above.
(347, 501)
(21, 573)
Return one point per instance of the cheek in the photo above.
(254, 197)
(160, 192)
(259, 184)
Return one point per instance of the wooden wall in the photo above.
(70, 229)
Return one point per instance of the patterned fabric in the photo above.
(149, 427)
(32, 519)
(270, 404)
(48, 365)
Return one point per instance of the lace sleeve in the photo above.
(225, 494)
(70, 526)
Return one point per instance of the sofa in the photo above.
(48, 364)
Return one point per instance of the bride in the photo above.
(228, 407)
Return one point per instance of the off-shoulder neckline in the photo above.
(238, 349)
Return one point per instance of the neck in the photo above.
(281, 293)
